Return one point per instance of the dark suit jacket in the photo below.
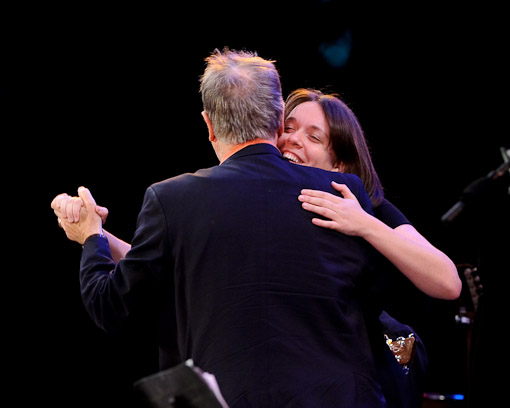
(247, 286)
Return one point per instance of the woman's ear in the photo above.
(339, 167)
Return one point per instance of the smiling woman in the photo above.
(322, 131)
(306, 137)
(342, 145)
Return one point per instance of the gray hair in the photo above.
(242, 95)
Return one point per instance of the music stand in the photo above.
(182, 386)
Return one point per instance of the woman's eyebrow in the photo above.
(313, 127)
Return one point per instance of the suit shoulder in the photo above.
(180, 181)
(348, 178)
(184, 177)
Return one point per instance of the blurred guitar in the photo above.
(473, 284)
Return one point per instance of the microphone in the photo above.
(453, 212)
(471, 192)
(479, 187)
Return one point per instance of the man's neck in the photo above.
(231, 150)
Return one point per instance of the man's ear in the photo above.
(282, 125)
(212, 136)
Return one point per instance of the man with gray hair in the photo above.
(245, 285)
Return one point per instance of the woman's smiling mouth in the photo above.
(292, 157)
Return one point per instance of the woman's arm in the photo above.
(118, 247)
(429, 269)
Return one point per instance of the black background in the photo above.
(107, 97)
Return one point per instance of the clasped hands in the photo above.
(80, 216)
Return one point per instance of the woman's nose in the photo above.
(295, 138)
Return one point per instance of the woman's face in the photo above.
(306, 138)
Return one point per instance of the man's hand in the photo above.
(77, 215)
(69, 208)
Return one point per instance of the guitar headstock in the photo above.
(472, 290)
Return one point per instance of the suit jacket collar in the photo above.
(256, 149)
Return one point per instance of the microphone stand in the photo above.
(489, 226)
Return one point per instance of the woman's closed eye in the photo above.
(315, 138)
